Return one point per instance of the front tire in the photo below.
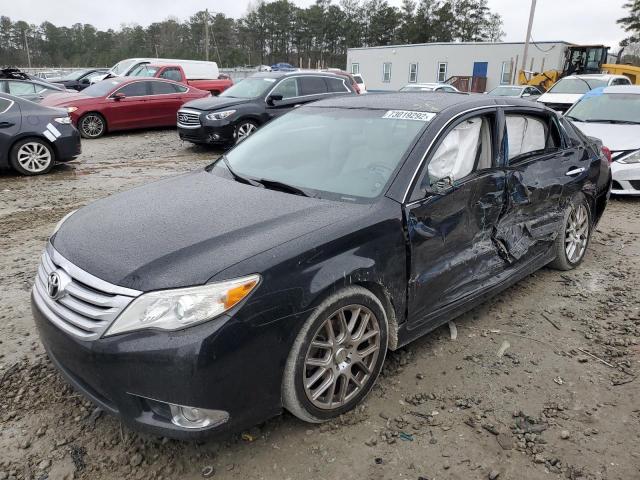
(336, 357)
(244, 129)
(32, 156)
(573, 239)
(92, 125)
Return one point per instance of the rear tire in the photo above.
(573, 238)
(92, 125)
(32, 156)
(336, 357)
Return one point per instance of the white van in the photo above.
(193, 69)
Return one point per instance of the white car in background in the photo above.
(194, 69)
(568, 90)
(360, 81)
(612, 114)
(429, 87)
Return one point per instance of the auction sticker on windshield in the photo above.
(409, 115)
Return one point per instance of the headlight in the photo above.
(631, 158)
(71, 109)
(220, 115)
(64, 219)
(182, 307)
(63, 120)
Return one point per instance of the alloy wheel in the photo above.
(34, 157)
(244, 130)
(92, 126)
(577, 233)
(341, 357)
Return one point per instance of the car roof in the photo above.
(433, 102)
(279, 74)
(634, 89)
(596, 76)
(432, 84)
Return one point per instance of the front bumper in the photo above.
(68, 145)
(221, 365)
(626, 178)
(214, 133)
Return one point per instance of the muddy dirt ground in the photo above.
(541, 382)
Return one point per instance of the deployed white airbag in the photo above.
(457, 153)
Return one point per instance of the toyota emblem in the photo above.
(54, 286)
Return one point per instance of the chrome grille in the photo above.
(188, 118)
(86, 305)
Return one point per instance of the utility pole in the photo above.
(526, 42)
(206, 35)
(26, 45)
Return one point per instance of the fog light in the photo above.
(193, 417)
(214, 137)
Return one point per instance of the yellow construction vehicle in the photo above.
(620, 69)
(579, 59)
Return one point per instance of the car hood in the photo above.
(215, 103)
(565, 98)
(65, 98)
(182, 231)
(615, 137)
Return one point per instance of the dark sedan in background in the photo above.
(125, 103)
(79, 79)
(279, 277)
(238, 111)
(33, 137)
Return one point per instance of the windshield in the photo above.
(607, 108)
(506, 92)
(144, 71)
(101, 88)
(121, 67)
(577, 85)
(416, 88)
(342, 154)
(251, 87)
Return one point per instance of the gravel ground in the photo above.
(541, 382)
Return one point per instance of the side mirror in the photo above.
(272, 99)
(118, 96)
(525, 95)
(85, 81)
(441, 187)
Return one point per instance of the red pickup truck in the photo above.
(176, 73)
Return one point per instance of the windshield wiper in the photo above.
(237, 176)
(573, 118)
(285, 187)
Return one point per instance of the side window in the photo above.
(621, 81)
(335, 85)
(312, 86)
(171, 74)
(529, 134)
(4, 105)
(21, 88)
(466, 148)
(136, 89)
(162, 88)
(288, 88)
(181, 88)
(386, 72)
(413, 72)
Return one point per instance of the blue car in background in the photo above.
(282, 67)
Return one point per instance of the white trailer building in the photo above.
(392, 67)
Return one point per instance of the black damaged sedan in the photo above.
(279, 278)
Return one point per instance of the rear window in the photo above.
(336, 85)
(163, 88)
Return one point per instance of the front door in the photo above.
(480, 69)
(131, 111)
(451, 217)
(289, 90)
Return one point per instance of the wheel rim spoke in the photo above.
(341, 357)
(34, 157)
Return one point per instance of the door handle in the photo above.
(575, 171)
(6, 124)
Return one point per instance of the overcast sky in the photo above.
(578, 21)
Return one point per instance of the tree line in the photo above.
(270, 32)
